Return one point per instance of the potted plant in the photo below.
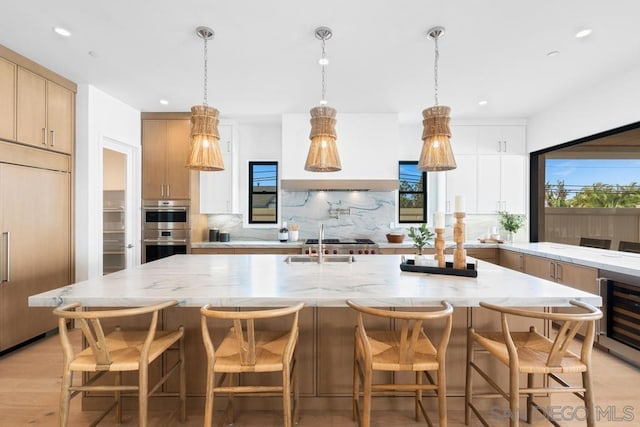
(421, 237)
(511, 223)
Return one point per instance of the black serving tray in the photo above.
(470, 271)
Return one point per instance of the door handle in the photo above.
(161, 190)
(499, 146)
(559, 272)
(44, 136)
(6, 276)
(53, 138)
(552, 270)
(130, 245)
(504, 150)
(168, 190)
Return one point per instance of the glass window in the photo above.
(263, 192)
(412, 204)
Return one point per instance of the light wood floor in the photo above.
(30, 381)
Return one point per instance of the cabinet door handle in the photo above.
(6, 276)
(559, 272)
(44, 136)
(53, 138)
(499, 146)
(168, 190)
(552, 270)
(505, 146)
(161, 190)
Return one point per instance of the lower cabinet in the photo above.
(511, 260)
(573, 275)
(35, 247)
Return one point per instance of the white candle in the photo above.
(459, 204)
(439, 220)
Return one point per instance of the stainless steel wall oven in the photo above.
(165, 229)
(620, 325)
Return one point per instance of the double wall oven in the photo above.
(620, 325)
(165, 229)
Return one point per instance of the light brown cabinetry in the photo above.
(35, 247)
(511, 260)
(45, 113)
(573, 275)
(7, 99)
(165, 148)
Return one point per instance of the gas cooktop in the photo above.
(340, 242)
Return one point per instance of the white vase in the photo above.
(293, 235)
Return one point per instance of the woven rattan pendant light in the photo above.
(205, 151)
(436, 152)
(323, 151)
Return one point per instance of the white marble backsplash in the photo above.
(345, 215)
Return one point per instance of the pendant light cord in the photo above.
(324, 83)
(205, 72)
(435, 69)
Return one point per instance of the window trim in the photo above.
(251, 192)
(423, 192)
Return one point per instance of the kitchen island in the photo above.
(325, 348)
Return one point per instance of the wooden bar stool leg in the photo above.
(183, 382)
(366, 399)
(65, 395)
(286, 397)
(118, 397)
(296, 394)
(469, 376)
(588, 397)
(143, 394)
(514, 395)
(208, 405)
(418, 395)
(356, 382)
(442, 396)
(230, 416)
(529, 398)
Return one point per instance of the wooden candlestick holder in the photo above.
(440, 247)
(459, 254)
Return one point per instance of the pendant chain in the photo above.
(205, 71)
(324, 83)
(435, 69)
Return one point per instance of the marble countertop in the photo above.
(300, 244)
(267, 280)
(602, 259)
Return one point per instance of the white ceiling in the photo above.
(263, 60)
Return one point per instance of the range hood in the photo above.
(339, 184)
(367, 144)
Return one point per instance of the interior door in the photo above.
(119, 231)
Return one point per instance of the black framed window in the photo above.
(412, 194)
(263, 192)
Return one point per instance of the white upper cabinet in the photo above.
(463, 139)
(509, 139)
(491, 168)
(218, 190)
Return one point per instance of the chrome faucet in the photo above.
(320, 239)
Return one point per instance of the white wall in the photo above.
(608, 105)
(98, 117)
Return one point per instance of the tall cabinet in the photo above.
(36, 193)
(165, 148)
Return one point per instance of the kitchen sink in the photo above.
(314, 258)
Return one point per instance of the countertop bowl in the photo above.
(395, 237)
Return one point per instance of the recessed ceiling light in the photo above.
(62, 31)
(323, 61)
(583, 33)
(553, 53)
(93, 54)
(483, 102)
(164, 102)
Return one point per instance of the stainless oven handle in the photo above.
(165, 241)
(165, 208)
(602, 290)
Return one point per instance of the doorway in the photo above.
(118, 207)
